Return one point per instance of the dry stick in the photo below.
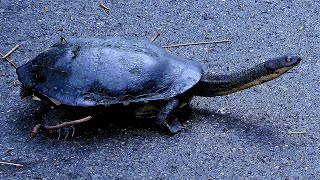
(297, 132)
(7, 59)
(195, 43)
(12, 164)
(155, 37)
(70, 123)
(103, 6)
(11, 51)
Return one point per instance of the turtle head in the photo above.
(282, 64)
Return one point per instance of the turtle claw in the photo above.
(59, 133)
(66, 134)
(73, 130)
(67, 131)
(62, 133)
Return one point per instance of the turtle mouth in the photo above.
(280, 71)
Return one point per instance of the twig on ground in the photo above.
(195, 43)
(103, 6)
(11, 164)
(11, 51)
(155, 37)
(297, 132)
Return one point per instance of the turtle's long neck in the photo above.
(218, 85)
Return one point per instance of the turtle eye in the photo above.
(289, 59)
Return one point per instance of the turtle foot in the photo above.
(65, 129)
(174, 127)
(65, 132)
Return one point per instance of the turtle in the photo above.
(104, 72)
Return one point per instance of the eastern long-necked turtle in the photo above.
(104, 72)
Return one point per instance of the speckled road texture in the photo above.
(245, 135)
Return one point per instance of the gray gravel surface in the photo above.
(240, 136)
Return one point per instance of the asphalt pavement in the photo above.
(271, 131)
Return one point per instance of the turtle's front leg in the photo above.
(164, 120)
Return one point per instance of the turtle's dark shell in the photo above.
(92, 71)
